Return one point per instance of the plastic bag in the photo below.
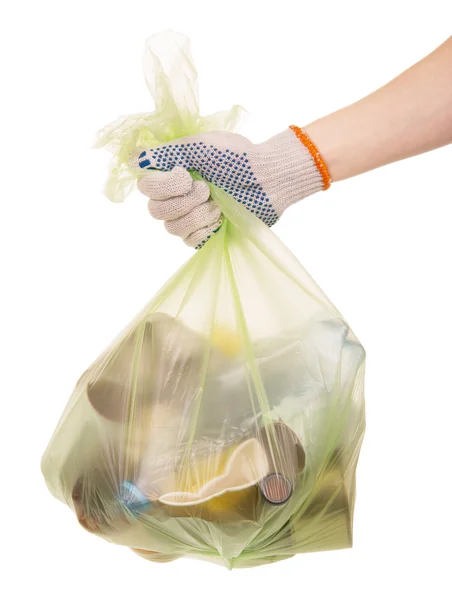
(225, 422)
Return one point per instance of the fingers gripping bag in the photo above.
(225, 422)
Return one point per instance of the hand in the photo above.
(266, 178)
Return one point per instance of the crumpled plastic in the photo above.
(225, 422)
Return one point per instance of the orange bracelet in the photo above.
(319, 162)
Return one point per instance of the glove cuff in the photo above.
(299, 162)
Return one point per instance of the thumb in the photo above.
(186, 152)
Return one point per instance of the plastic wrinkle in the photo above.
(225, 421)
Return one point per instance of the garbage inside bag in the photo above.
(225, 422)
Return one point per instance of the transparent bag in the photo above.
(225, 422)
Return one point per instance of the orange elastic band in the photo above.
(319, 162)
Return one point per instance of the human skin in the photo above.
(410, 115)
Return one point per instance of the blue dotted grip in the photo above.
(226, 169)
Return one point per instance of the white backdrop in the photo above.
(76, 268)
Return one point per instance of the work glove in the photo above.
(266, 178)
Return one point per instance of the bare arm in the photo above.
(410, 115)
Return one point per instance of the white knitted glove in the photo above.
(266, 178)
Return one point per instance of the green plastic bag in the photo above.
(225, 422)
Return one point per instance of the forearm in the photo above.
(410, 115)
